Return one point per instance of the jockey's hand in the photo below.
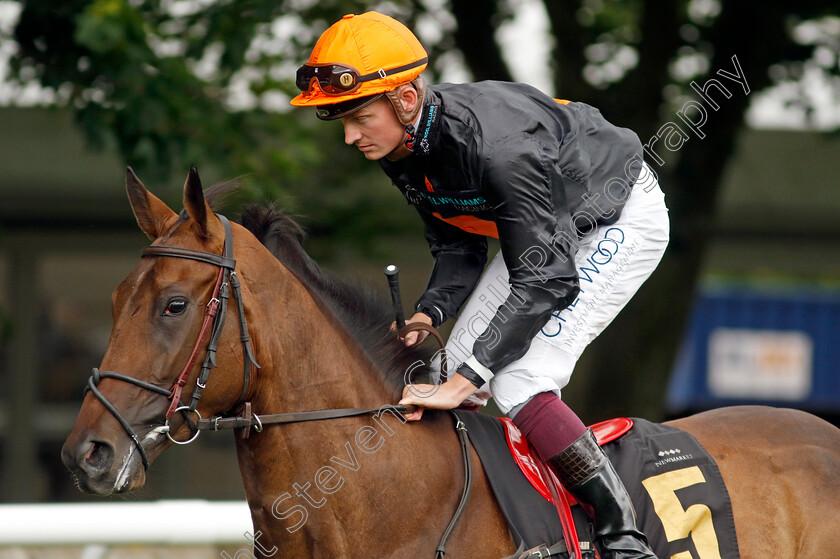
(445, 396)
(415, 338)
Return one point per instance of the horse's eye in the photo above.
(175, 307)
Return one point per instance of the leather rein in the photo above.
(214, 321)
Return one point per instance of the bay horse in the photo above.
(368, 485)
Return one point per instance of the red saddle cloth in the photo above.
(605, 431)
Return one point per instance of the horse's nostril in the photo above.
(98, 457)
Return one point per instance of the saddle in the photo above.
(668, 474)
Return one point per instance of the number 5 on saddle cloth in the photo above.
(681, 501)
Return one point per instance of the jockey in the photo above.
(580, 218)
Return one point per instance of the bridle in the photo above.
(214, 317)
(214, 320)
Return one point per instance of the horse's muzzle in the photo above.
(92, 463)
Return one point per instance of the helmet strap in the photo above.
(410, 136)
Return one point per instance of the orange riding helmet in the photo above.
(356, 61)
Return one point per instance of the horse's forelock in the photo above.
(216, 195)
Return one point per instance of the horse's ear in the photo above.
(195, 203)
(150, 211)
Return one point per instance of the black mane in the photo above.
(365, 315)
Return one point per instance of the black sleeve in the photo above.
(537, 246)
(459, 261)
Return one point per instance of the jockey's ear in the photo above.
(195, 204)
(406, 103)
(151, 213)
(408, 98)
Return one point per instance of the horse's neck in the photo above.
(315, 489)
(309, 361)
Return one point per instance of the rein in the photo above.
(215, 314)
(248, 419)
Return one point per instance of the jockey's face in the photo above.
(376, 131)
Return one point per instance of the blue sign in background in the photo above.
(816, 314)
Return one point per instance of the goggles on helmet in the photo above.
(341, 79)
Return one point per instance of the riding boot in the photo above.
(587, 473)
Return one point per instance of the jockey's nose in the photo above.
(352, 134)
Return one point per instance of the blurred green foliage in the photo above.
(176, 82)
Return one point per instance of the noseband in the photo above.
(214, 317)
